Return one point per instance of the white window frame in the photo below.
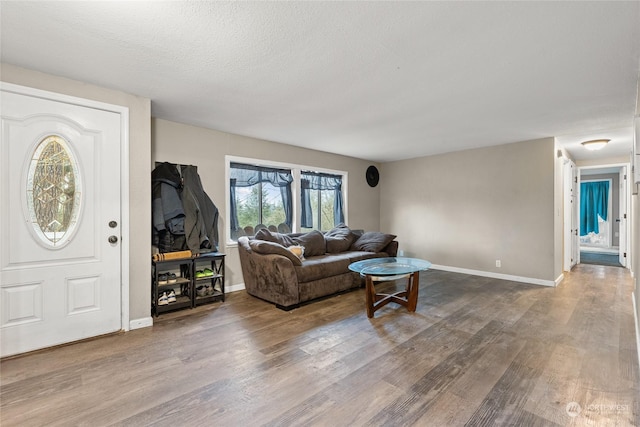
(296, 170)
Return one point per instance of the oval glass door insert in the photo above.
(53, 191)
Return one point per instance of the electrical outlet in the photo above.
(498, 263)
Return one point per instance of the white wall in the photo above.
(139, 170)
(205, 148)
(470, 208)
(635, 236)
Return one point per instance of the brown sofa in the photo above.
(274, 273)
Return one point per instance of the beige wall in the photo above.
(206, 149)
(467, 209)
(139, 170)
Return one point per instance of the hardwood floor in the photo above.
(477, 352)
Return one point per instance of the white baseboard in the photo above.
(145, 322)
(234, 288)
(559, 279)
(501, 276)
(635, 317)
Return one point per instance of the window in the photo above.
(53, 192)
(321, 201)
(259, 197)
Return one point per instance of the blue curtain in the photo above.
(320, 181)
(242, 175)
(594, 202)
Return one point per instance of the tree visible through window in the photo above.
(321, 201)
(259, 196)
(259, 204)
(322, 210)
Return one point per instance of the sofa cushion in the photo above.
(265, 247)
(338, 239)
(319, 267)
(270, 236)
(372, 241)
(313, 243)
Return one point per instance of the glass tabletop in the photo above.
(389, 266)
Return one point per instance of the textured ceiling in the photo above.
(376, 80)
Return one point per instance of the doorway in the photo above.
(603, 231)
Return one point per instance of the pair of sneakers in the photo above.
(165, 278)
(204, 290)
(203, 274)
(167, 297)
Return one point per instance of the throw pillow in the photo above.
(313, 243)
(338, 239)
(297, 251)
(372, 241)
(270, 236)
(265, 247)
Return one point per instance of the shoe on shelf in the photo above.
(164, 299)
(201, 291)
(163, 279)
(171, 297)
(200, 274)
(207, 272)
(171, 278)
(208, 289)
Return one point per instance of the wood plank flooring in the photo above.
(477, 352)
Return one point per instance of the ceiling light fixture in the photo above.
(595, 144)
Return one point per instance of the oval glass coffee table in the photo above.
(387, 269)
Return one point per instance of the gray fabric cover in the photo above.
(372, 241)
(339, 239)
(277, 278)
(313, 243)
(328, 265)
(269, 236)
(329, 286)
(264, 247)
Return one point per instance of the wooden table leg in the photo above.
(370, 295)
(407, 298)
(412, 291)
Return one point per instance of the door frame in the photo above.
(627, 195)
(123, 112)
(571, 252)
(625, 200)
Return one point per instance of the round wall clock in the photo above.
(373, 176)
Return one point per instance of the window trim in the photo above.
(296, 170)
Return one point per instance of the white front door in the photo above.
(60, 222)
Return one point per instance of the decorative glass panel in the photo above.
(53, 191)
